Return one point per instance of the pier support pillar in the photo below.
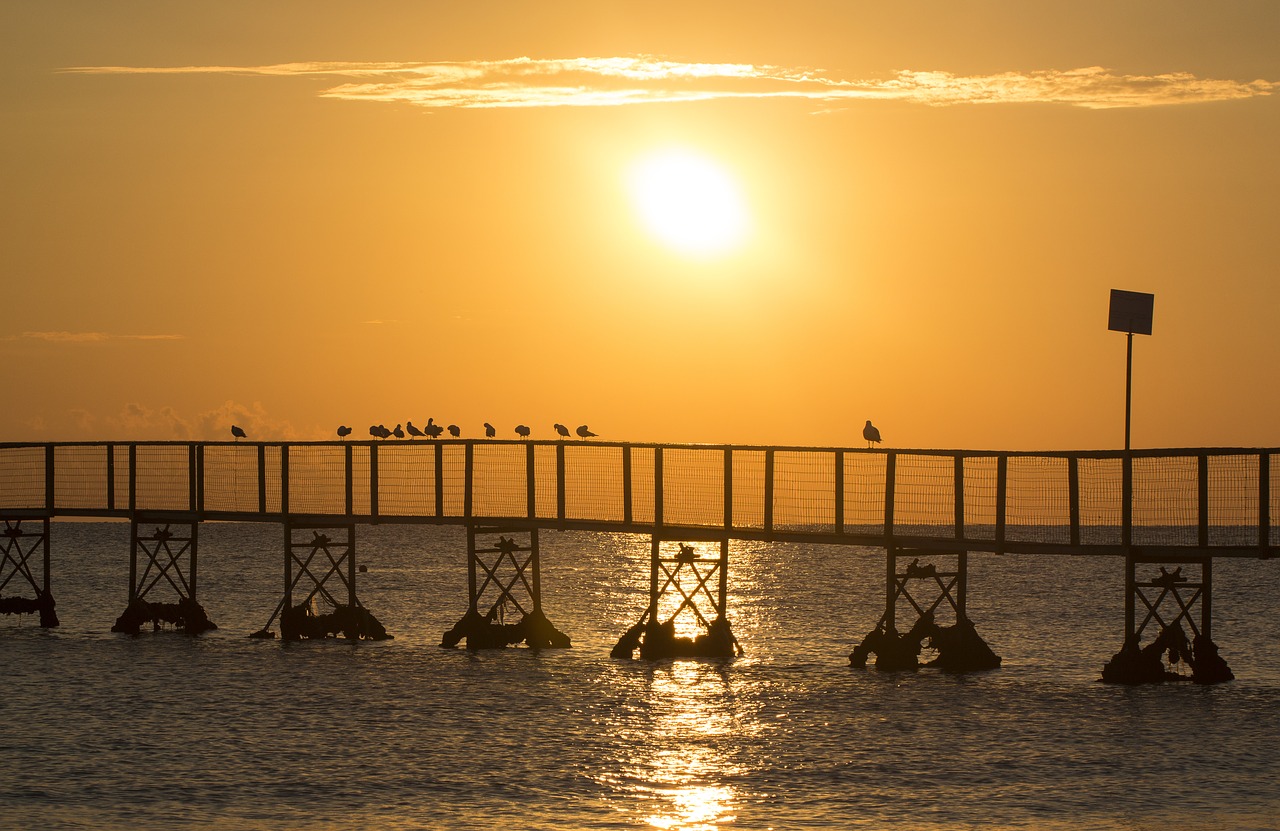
(504, 578)
(686, 616)
(919, 590)
(318, 555)
(1158, 604)
(167, 554)
(19, 546)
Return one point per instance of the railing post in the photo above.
(958, 487)
(284, 481)
(349, 481)
(1264, 501)
(373, 481)
(530, 481)
(626, 484)
(193, 499)
(768, 489)
(1126, 502)
(728, 488)
(1002, 496)
(133, 481)
(468, 477)
(262, 480)
(439, 479)
(1073, 497)
(560, 481)
(111, 476)
(890, 477)
(657, 508)
(1202, 497)
(839, 493)
(50, 493)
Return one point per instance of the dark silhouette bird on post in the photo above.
(343, 431)
(413, 432)
(398, 432)
(432, 429)
(237, 432)
(373, 431)
(562, 430)
(454, 431)
(522, 431)
(584, 433)
(489, 432)
(870, 433)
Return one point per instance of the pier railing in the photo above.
(1082, 502)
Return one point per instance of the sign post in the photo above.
(1131, 313)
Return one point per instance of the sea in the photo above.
(219, 731)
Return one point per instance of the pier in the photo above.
(1167, 512)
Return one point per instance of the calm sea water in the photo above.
(166, 731)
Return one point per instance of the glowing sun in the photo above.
(689, 202)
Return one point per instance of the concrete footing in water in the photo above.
(658, 641)
(1146, 665)
(300, 622)
(43, 603)
(533, 630)
(960, 648)
(186, 616)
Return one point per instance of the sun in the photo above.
(689, 202)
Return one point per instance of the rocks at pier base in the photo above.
(1146, 665)
(186, 616)
(658, 641)
(960, 648)
(43, 603)
(533, 629)
(353, 622)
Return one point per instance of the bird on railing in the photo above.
(237, 432)
(432, 429)
(522, 431)
(343, 431)
(562, 430)
(413, 432)
(379, 431)
(454, 431)
(584, 433)
(489, 432)
(398, 432)
(870, 433)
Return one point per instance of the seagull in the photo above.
(454, 431)
(522, 431)
(343, 431)
(237, 432)
(584, 433)
(562, 430)
(373, 431)
(489, 432)
(432, 429)
(870, 433)
(414, 432)
(398, 432)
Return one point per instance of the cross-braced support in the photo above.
(681, 597)
(919, 591)
(316, 556)
(167, 554)
(1159, 604)
(18, 546)
(504, 577)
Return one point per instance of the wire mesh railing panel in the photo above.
(120, 498)
(231, 478)
(924, 495)
(273, 476)
(864, 479)
(317, 479)
(1273, 514)
(22, 477)
(163, 477)
(1037, 499)
(748, 488)
(804, 490)
(546, 497)
(1165, 501)
(406, 479)
(1233, 500)
(593, 483)
(642, 484)
(980, 486)
(499, 485)
(454, 466)
(80, 477)
(1101, 493)
(692, 487)
(361, 479)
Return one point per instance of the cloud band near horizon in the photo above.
(597, 82)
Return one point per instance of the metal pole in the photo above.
(1128, 386)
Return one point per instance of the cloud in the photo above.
(87, 337)
(619, 81)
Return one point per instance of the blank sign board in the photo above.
(1131, 312)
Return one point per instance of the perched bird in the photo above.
(562, 430)
(237, 432)
(584, 433)
(413, 432)
(522, 431)
(454, 431)
(379, 431)
(489, 432)
(870, 433)
(398, 432)
(432, 429)
(343, 431)
(373, 431)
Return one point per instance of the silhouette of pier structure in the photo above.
(1167, 513)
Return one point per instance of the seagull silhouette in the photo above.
(522, 431)
(432, 429)
(584, 433)
(381, 431)
(870, 433)
(343, 431)
(373, 431)
(398, 432)
(237, 432)
(562, 430)
(413, 432)
(489, 432)
(454, 431)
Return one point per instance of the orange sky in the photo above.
(318, 213)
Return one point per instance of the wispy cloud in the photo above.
(598, 82)
(87, 337)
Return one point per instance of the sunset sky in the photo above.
(692, 222)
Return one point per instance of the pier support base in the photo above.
(170, 556)
(512, 584)
(679, 584)
(316, 552)
(18, 546)
(959, 646)
(1167, 599)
